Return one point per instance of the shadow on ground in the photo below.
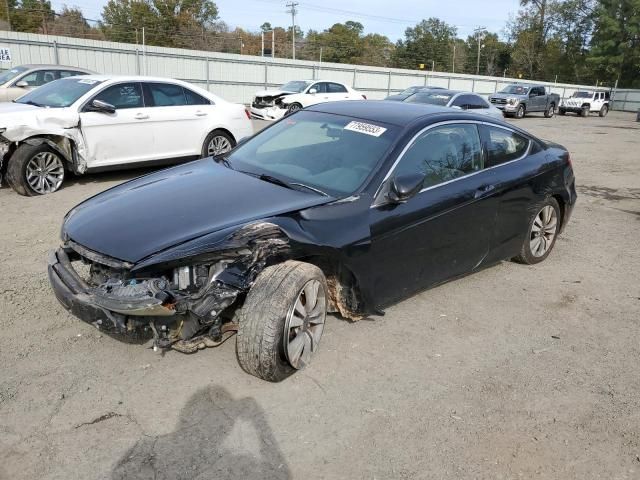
(217, 436)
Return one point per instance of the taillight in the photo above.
(247, 113)
(364, 96)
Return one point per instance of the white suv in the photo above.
(94, 123)
(585, 102)
(298, 94)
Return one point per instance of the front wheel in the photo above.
(585, 111)
(520, 112)
(35, 170)
(293, 108)
(217, 143)
(603, 111)
(562, 111)
(550, 111)
(542, 233)
(282, 320)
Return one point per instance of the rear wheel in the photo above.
(543, 231)
(35, 170)
(550, 111)
(604, 110)
(520, 112)
(217, 143)
(282, 320)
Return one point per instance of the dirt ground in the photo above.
(514, 372)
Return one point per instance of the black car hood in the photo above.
(139, 218)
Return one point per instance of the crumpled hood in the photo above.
(152, 213)
(272, 93)
(22, 121)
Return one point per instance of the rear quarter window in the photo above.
(504, 146)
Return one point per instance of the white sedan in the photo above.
(298, 94)
(93, 123)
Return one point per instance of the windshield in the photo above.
(321, 151)
(582, 95)
(515, 89)
(430, 97)
(11, 74)
(59, 93)
(410, 90)
(296, 86)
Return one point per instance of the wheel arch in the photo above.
(63, 146)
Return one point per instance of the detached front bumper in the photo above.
(130, 317)
(269, 114)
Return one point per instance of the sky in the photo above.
(375, 15)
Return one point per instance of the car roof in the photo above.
(35, 66)
(394, 113)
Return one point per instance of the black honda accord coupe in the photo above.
(343, 207)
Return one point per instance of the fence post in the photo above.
(426, 78)
(449, 82)
(473, 84)
(495, 89)
(55, 52)
(355, 71)
(266, 74)
(207, 67)
(389, 84)
(137, 62)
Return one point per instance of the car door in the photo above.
(122, 137)
(178, 127)
(512, 167)
(444, 230)
(337, 92)
(598, 101)
(320, 96)
(539, 101)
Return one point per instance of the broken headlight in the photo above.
(194, 277)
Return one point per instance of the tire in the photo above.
(585, 111)
(263, 349)
(520, 112)
(293, 108)
(603, 111)
(562, 111)
(222, 138)
(528, 254)
(35, 170)
(549, 112)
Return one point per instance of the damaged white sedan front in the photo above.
(95, 123)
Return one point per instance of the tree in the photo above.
(429, 41)
(32, 16)
(71, 23)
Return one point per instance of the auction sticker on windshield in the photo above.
(366, 128)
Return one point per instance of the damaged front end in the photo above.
(186, 304)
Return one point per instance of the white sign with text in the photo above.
(5, 54)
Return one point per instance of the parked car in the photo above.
(96, 122)
(585, 102)
(518, 100)
(410, 91)
(455, 99)
(273, 105)
(19, 80)
(344, 207)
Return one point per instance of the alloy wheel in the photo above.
(45, 172)
(218, 145)
(294, 108)
(543, 231)
(304, 324)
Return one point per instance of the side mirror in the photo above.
(102, 107)
(22, 84)
(403, 187)
(313, 91)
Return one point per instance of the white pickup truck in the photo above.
(584, 102)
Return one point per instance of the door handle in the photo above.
(484, 190)
(201, 114)
(141, 116)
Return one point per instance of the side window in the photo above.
(607, 96)
(443, 153)
(321, 87)
(470, 102)
(461, 102)
(166, 95)
(336, 88)
(504, 146)
(39, 77)
(193, 98)
(123, 95)
(70, 73)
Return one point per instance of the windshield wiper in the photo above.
(313, 189)
(30, 102)
(275, 180)
(224, 160)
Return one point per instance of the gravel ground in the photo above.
(514, 372)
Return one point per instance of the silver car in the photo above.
(455, 99)
(19, 80)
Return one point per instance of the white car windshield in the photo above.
(315, 151)
(582, 95)
(11, 74)
(295, 86)
(59, 93)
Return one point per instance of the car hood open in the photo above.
(134, 220)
